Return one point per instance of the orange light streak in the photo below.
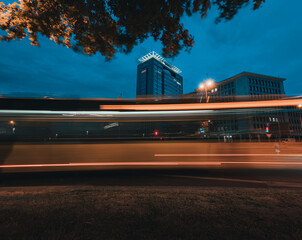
(144, 164)
(204, 106)
(106, 164)
(228, 155)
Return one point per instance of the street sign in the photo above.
(269, 135)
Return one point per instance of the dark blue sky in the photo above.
(266, 41)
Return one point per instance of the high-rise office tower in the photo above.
(157, 77)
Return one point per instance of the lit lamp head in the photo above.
(11, 122)
(300, 106)
(201, 86)
(210, 82)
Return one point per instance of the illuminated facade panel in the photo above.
(161, 60)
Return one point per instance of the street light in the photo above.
(12, 123)
(209, 82)
(207, 85)
(300, 106)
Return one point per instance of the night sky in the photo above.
(266, 41)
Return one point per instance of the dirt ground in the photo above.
(150, 212)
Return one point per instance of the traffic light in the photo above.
(267, 129)
(201, 130)
(155, 132)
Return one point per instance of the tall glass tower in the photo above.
(157, 77)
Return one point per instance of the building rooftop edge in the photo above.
(161, 59)
(244, 73)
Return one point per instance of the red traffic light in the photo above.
(267, 129)
(156, 133)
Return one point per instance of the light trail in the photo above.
(88, 113)
(144, 164)
(204, 106)
(105, 164)
(117, 116)
(228, 155)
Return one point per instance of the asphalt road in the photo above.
(43, 157)
(240, 184)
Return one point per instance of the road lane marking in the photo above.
(218, 179)
(268, 183)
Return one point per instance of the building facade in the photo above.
(257, 86)
(258, 124)
(157, 77)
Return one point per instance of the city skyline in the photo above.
(220, 51)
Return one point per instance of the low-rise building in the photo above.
(246, 86)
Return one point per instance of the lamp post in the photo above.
(300, 106)
(207, 85)
(12, 123)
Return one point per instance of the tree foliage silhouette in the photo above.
(108, 26)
